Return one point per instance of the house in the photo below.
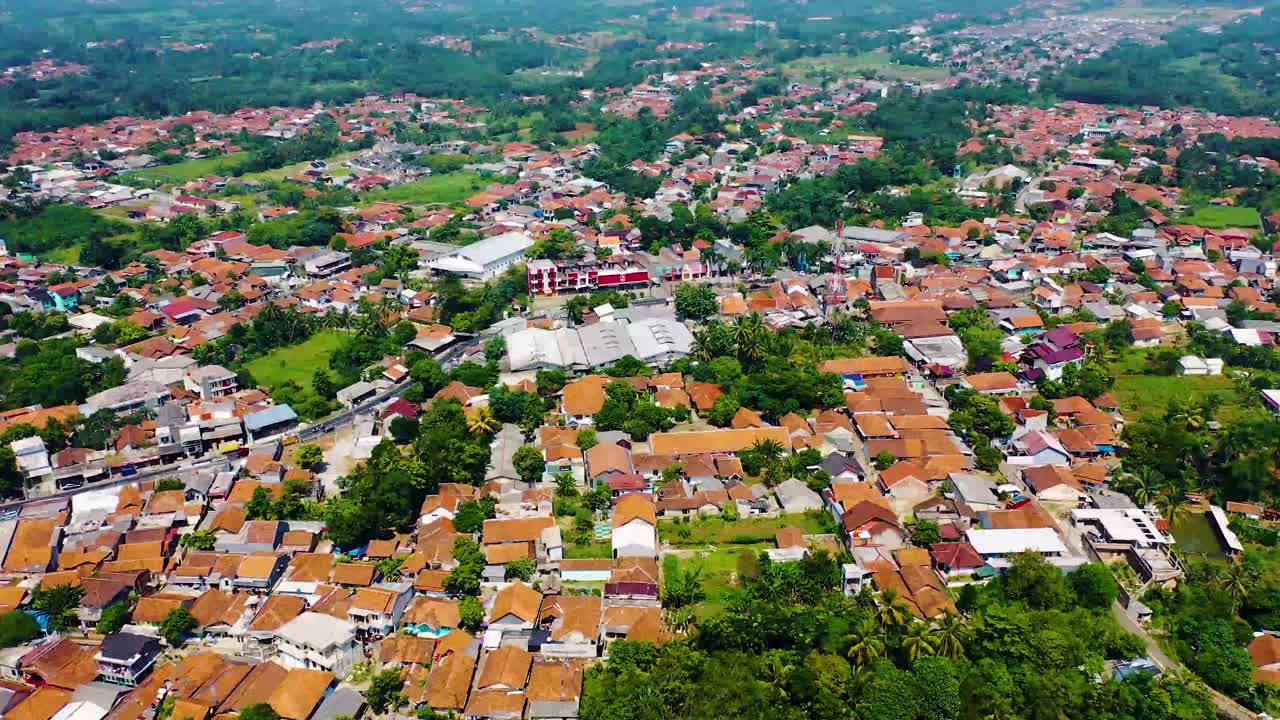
(955, 559)
(996, 545)
(515, 609)
(870, 523)
(486, 259)
(796, 497)
(906, 484)
(555, 688)
(316, 641)
(376, 611)
(635, 527)
(1040, 447)
(210, 381)
(499, 690)
(1053, 483)
(125, 658)
(449, 684)
(1052, 353)
(1264, 650)
(571, 624)
(431, 617)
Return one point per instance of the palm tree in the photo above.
(701, 349)
(865, 645)
(951, 634)
(1142, 486)
(893, 612)
(483, 422)
(1173, 504)
(1237, 581)
(918, 641)
(767, 450)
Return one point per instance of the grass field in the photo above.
(1218, 216)
(872, 62)
(746, 531)
(279, 174)
(1142, 394)
(69, 255)
(579, 551)
(432, 190)
(191, 169)
(719, 572)
(297, 362)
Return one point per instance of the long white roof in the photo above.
(1008, 541)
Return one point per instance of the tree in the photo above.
(176, 625)
(722, 411)
(1032, 580)
(587, 438)
(59, 603)
(696, 302)
(884, 460)
(259, 711)
(385, 690)
(309, 456)
(892, 612)
(483, 422)
(470, 612)
(917, 642)
(471, 514)
(465, 578)
(199, 540)
(168, 484)
(950, 637)
(566, 485)
(114, 616)
(1094, 585)
(864, 646)
(683, 587)
(403, 429)
(259, 505)
(521, 569)
(17, 627)
(529, 463)
(429, 373)
(390, 569)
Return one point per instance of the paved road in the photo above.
(1227, 708)
(447, 358)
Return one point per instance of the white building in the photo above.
(314, 641)
(486, 259)
(996, 545)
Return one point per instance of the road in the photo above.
(447, 358)
(1227, 708)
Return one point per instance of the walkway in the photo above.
(1227, 708)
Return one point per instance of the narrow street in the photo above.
(1227, 708)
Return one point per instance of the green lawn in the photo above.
(746, 531)
(579, 551)
(435, 189)
(1220, 216)
(69, 255)
(1142, 394)
(719, 572)
(297, 362)
(871, 62)
(287, 171)
(191, 169)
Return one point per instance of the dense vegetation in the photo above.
(1034, 645)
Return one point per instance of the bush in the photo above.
(17, 627)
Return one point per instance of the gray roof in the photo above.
(343, 701)
(974, 489)
(870, 234)
(271, 416)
